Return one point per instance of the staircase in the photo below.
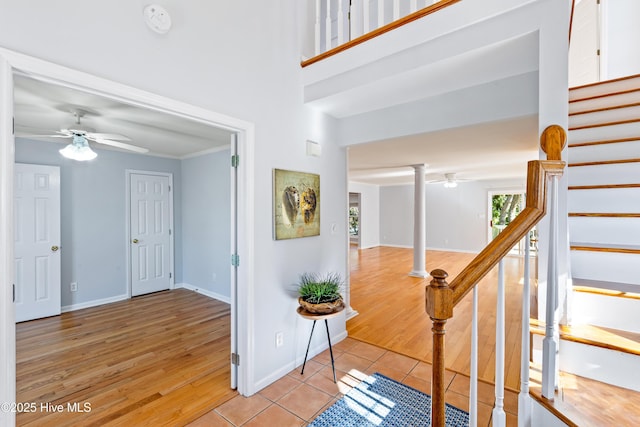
(603, 341)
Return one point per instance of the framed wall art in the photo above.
(296, 204)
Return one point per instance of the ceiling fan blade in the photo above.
(111, 136)
(120, 145)
(27, 135)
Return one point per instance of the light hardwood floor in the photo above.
(392, 309)
(159, 359)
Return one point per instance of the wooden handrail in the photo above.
(441, 297)
(379, 31)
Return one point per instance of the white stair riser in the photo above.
(604, 88)
(607, 116)
(606, 311)
(604, 102)
(606, 266)
(619, 173)
(619, 200)
(601, 152)
(626, 130)
(600, 364)
(621, 231)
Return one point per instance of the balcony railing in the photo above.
(341, 24)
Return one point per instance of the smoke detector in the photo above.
(157, 18)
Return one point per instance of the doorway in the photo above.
(12, 63)
(354, 220)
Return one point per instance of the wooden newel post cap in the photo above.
(552, 141)
(439, 296)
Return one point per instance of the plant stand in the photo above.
(312, 316)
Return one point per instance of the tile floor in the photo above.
(296, 399)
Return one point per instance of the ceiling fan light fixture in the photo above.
(79, 150)
(451, 181)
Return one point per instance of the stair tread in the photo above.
(598, 125)
(613, 339)
(602, 186)
(604, 214)
(605, 287)
(604, 247)
(603, 141)
(587, 402)
(604, 162)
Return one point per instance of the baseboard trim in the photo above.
(464, 251)
(205, 292)
(313, 351)
(93, 303)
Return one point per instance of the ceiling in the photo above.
(43, 108)
(488, 151)
(496, 150)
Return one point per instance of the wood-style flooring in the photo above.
(155, 360)
(392, 315)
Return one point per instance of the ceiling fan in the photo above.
(450, 180)
(80, 135)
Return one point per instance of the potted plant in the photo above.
(320, 294)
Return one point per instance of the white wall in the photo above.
(206, 215)
(456, 218)
(235, 58)
(369, 213)
(621, 32)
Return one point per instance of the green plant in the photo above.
(317, 289)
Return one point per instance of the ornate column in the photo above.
(419, 212)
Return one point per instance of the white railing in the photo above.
(339, 21)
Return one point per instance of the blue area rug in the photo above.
(381, 401)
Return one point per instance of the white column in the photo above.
(550, 342)
(419, 215)
(524, 400)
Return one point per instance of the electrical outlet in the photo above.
(279, 339)
(73, 286)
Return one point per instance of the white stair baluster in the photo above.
(355, 19)
(327, 27)
(340, 23)
(396, 10)
(524, 400)
(413, 5)
(366, 14)
(550, 343)
(499, 417)
(317, 27)
(473, 381)
(380, 13)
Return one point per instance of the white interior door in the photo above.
(150, 232)
(37, 241)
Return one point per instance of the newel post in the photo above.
(439, 306)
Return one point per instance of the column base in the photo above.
(350, 313)
(422, 274)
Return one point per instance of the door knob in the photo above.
(135, 240)
(54, 248)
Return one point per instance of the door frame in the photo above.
(128, 173)
(11, 63)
